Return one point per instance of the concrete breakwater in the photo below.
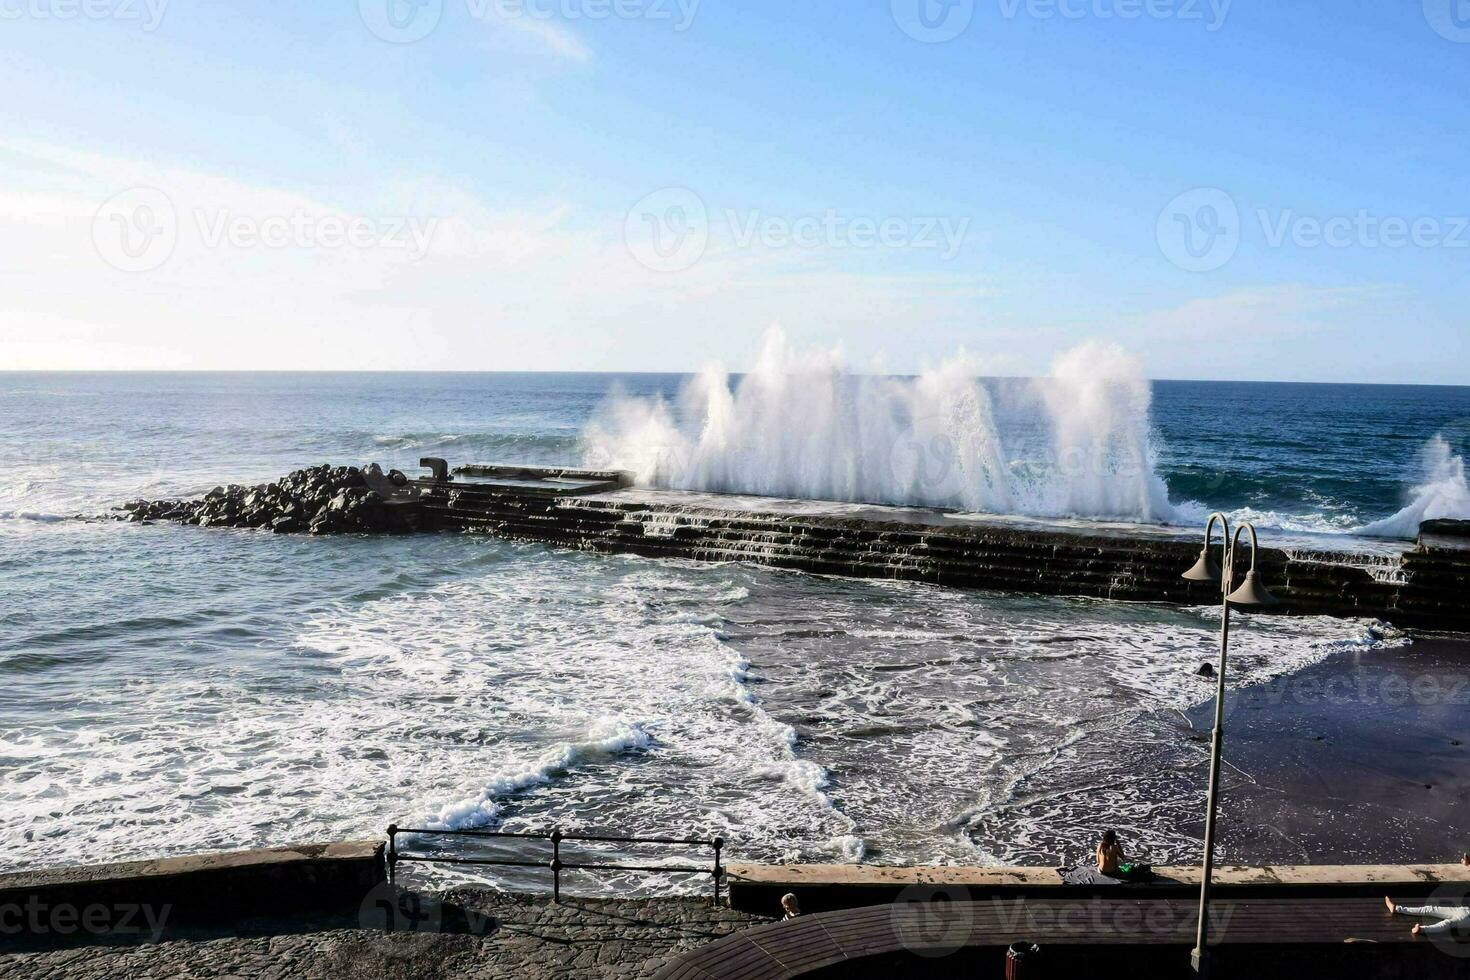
(1425, 584)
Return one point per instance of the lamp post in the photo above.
(1251, 594)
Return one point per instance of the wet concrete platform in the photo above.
(1424, 584)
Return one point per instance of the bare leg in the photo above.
(1392, 908)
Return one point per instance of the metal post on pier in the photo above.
(556, 866)
(392, 853)
(718, 843)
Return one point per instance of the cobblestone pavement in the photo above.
(473, 934)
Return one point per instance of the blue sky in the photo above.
(650, 184)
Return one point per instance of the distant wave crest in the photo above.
(1075, 444)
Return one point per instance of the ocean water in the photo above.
(169, 689)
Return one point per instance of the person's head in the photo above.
(1110, 838)
(788, 904)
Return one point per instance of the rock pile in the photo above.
(320, 499)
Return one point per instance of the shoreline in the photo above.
(1361, 758)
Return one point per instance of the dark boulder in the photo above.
(319, 499)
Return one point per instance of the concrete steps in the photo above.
(1429, 589)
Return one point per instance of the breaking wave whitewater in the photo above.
(1075, 444)
(607, 737)
(1442, 494)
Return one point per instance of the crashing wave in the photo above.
(1442, 494)
(1075, 444)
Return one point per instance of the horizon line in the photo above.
(685, 373)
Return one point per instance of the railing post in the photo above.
(718, 842)
(556, 866)
(392, 853)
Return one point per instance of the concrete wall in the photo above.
(194, 890)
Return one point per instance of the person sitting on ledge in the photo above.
(1109, 854)
(1449, 919)
(1112, 862)
(789, 907)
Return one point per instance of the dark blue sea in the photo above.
(166, 689)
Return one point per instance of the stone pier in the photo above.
(1423, 585)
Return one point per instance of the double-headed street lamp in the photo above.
(1251, 594)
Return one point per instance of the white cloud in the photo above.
(1262, 311)
(540, 286)
(546, 34)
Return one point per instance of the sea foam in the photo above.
(1442, 493)
(607, 737)
(1074, 444)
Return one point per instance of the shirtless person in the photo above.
(1109, 854)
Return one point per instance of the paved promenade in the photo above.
(477, 934)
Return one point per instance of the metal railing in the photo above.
(555, 864)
